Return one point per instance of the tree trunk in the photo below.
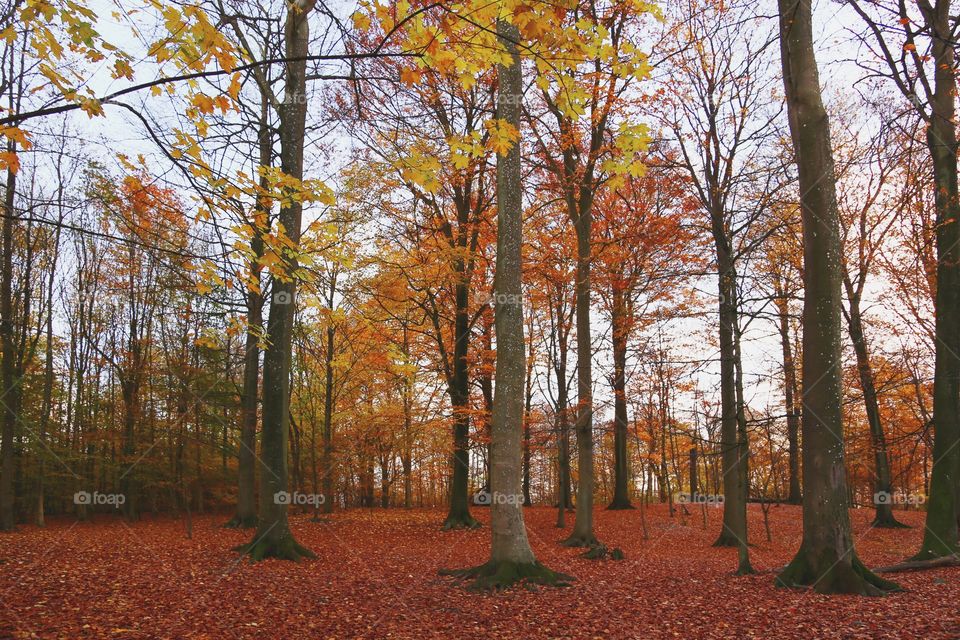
(789, 399)
(621, 471)
(511, 558)
(883, 487)
(459, 389)
(273, 537)
(940, 532)
(9, 422)
(827, 560)
(582, 535)
(733, 448)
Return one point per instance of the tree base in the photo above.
(236, 522)
(727, 539)
(460, 521)
(498, 576)
(285, 548)
(931, 554)
(839, 577)
(888, 522)
(577, 540)
(620, 505)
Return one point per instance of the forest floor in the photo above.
(376, 576)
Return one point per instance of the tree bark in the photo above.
(621, 470)
(883, 486)
(511, 558)
(9, 422)
(273, 537)
(940, 532)
(790, 399)
(827, 560)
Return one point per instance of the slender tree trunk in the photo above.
(273, 537)
(459, 389)
(883, 487)
(733, 449)
(9, 423)
(511, 558)
(582, 535)
(789, 400)
(621, 470)
(827, 560)
(246, 516)
(527, 408)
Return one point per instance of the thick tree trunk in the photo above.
(943, 504)
(273, 537)
(827, 560)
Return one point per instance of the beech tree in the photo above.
(827, 560)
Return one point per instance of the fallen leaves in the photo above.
(377, 576)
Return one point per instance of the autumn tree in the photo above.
(826, 560)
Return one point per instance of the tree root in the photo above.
(285, 548)
(920, 565)
(600, 552)
(888, 523)
(620, 505)
(460, 521)
(839, 577)
(236, 522)
(580, 541)
(498, 576)
(726, 539)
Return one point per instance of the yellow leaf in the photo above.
(361, 21)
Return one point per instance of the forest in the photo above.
(459, 318)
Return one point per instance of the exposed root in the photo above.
(455, 522)
(285, 548)
(920, 565)
(888, 522)
(498, 576)
(726, 539)
(601, 552)
(236, 522)
(832, 577)
(586, 541)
